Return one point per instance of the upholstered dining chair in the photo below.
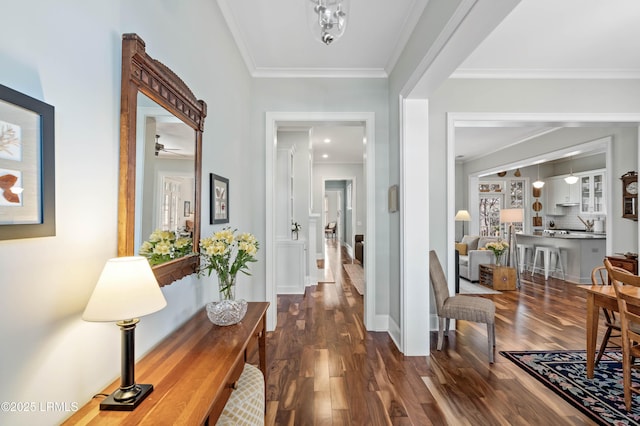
(330, 230)
(628, 306)
(600, 276)
(459, 307)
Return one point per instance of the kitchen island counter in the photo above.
(580, 252)
(572, 235)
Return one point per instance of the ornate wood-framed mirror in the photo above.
(148, 85)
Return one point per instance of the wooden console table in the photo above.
(498, 277)
(193, 372)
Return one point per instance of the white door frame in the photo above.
(271, 142)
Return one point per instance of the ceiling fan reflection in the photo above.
(160, 148)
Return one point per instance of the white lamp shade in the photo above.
(571, 179)
(511, 215)
(126, 289)
(463, 216)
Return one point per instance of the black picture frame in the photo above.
(219, 196)
(30, 166)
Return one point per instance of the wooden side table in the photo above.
(498, 277)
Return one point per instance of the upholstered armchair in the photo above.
(473, 253)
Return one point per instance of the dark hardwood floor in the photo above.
(326, 369)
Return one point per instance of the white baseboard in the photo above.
(290, 290)
(394, 332)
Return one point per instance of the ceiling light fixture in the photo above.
(325, 155)
(538, 183)
(328, 19)
(327, 140)
(571, 179)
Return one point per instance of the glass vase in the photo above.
(498, 256)
(228, 310)
(227, 287)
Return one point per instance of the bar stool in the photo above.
(547, 255)
(524, 252)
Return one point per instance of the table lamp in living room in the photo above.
(511, 216)
(462, 216)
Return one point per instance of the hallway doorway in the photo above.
(273, 121)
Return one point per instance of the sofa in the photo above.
(473, 252)
(359, 248)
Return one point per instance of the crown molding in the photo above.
(574, 74)
(417, 9)
(319, 73)
(236, 34)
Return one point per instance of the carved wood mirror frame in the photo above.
(141, 73)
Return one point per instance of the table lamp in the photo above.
(512, 216)
(463, 216)
(126, 290)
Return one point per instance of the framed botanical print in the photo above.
(219, 195)
(27, 166)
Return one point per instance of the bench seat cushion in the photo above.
(246, 403)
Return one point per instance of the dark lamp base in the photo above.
(110, 402)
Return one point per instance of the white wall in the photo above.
(67, 53)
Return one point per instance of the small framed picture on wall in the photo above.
(219, 195)
(27, 166)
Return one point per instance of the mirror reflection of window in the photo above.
(166, 153)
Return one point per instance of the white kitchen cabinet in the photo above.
(559, 194)
(592, 193)
(565, 193)
(550, 206)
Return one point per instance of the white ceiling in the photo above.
(539, 39)
(276, 41)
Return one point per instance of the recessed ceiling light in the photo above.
(325, 155)
(327, 140)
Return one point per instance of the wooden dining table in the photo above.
(600, 296)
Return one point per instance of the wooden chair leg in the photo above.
(603, 345)
(447, 324)
(626, 374)
(441, 322)
(491, 337)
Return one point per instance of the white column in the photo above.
(414, 210)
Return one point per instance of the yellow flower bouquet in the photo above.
(227, 254)
(164, 246)
(498, 248)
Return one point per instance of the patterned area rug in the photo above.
(356, 275)
(565, 373)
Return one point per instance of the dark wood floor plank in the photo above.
(325, 368)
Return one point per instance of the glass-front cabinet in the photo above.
(592, 195)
